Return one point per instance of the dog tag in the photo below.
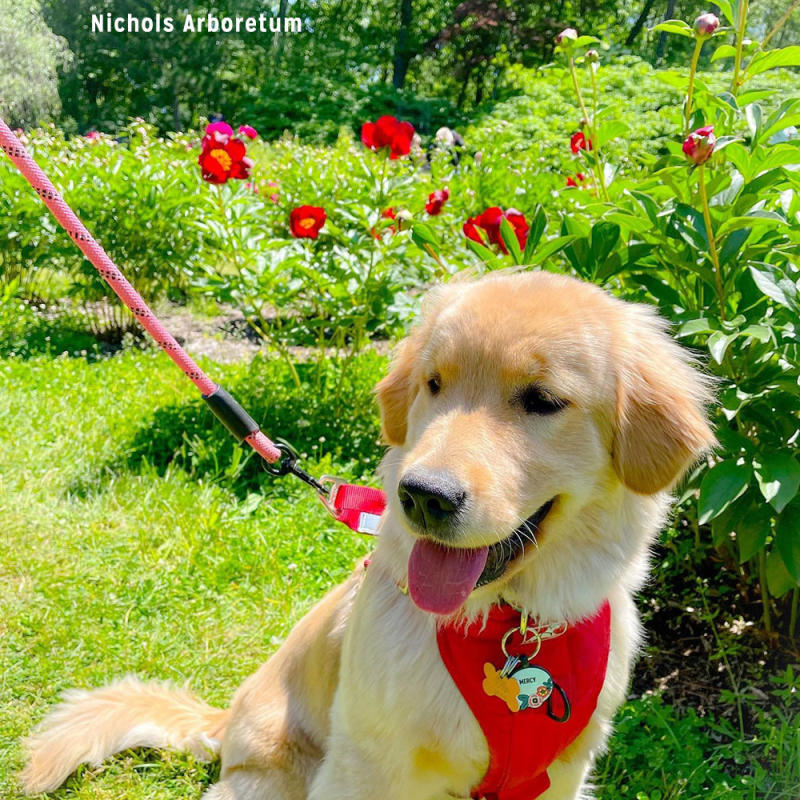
(522, 685)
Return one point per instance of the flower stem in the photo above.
(712, 245)
(780, 23)
(740, 32)
(698, 46)
(589, 124)
(762, 580)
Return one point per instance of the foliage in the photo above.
(30, 55)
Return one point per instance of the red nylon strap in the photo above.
(358, 507)
(523, 744)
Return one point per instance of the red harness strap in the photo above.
(523, 744)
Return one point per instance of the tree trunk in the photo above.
(283, 8)
(640, 21)
(402, 54)
(662, 39)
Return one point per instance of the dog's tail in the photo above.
(89, 726)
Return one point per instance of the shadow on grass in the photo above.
(333, 413)
(28, 334)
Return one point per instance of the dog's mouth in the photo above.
(502, 553)
(440, 578)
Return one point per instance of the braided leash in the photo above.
(368, 502)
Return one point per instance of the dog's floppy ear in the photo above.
(395, 392)
(661, 426)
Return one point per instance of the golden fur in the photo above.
(357, 704)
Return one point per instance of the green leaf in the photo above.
(483, 252)
(787, 540)
(726, 9)
(718, 343)
(721, 485)
(538, 225)
(778, 290)
(510, 240)
(605, 236)
(778, 477)
(752, 530)
(694, 326)
(423, 235)
(733, 244)
(584, 41)
(611, 130)
(724, 51)
(550, 248)
(677, 26)
(784, 57)
(779, 581)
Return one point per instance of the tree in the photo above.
(30, 55)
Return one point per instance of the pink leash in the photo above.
(358, 507)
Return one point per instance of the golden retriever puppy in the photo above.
(536, 426)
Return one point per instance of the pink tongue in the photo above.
(441, 578)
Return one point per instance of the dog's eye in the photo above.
(435, 383)
(536, 400)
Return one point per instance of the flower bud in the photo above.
(706, 24)
(592, 56)
(404, 218)
(566, 37)
(699, 144)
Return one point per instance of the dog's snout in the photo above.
(431, 500)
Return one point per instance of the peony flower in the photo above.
(490, 221)
(305, 221)
(221, 161)
(578, 142)
(436, 201)
(248, 131)
(387, 213)
(219, 131)
(567, 36)
(706, 24)
(699, 145)
(93, 136)
(388, 132)
(579, 178)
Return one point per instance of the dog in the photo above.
(535, 427)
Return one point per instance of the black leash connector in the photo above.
(240, 424)
(287, 465)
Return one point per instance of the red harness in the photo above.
(523, 743)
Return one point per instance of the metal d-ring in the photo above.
(525, 641)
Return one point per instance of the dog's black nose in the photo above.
(431, 500)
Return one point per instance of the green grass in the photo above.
(117, 558)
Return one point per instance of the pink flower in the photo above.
(699, 145)
(252, 187)
(567, 36)
(219, 131)
(248, 131)
(436, 200)
(706, 24)
(93, 136)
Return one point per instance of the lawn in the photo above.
(116, 561)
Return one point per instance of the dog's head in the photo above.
(521, 408)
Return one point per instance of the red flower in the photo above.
(388, 132)
(436, 200)
(248, 131)
(579, 178)
(699, 145)
(387, 213)
(305, 221)
(490, 221)
(579, 142)
(219, 161)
